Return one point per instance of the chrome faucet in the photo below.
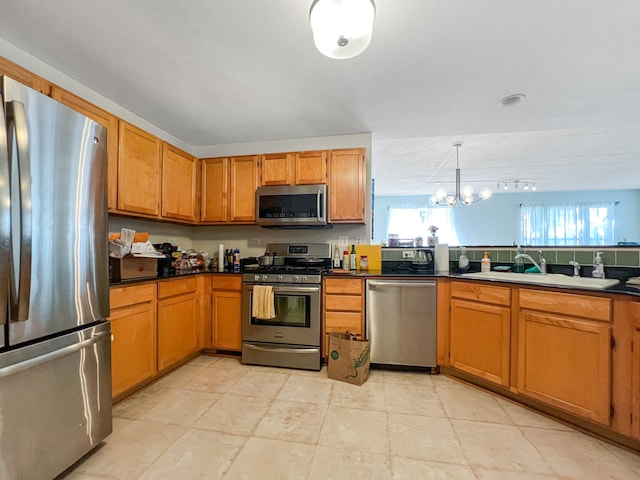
(543, 262)
(576, 269)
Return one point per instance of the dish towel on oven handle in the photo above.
(263, 302)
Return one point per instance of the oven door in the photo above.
(297, 320)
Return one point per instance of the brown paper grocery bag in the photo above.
(348, 358)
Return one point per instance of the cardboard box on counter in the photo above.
(130, 267)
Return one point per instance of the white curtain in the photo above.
(411, 222)
(567, 224)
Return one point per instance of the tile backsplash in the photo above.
(611, 256)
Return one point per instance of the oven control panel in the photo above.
(281, 278)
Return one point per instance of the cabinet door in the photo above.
(108, 121)
(24, 76)
(139, 170)
(133, 349)
(310, 167)
(244, 181)
(226, 318)
(635, 386)
(214, 206)
(276, 169)
(177, 329)
(479, 340)
(179, 171)
(347, 186)
(566, 363)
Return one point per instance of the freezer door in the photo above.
(55, 403)
(58, 171)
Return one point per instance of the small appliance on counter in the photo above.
(422, 263)
(165, 265)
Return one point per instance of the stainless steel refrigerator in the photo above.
(55, 361)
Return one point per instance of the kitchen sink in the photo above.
(553, 279)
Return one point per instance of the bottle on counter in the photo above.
(345, 260)
(352, 258)
(230, 260)
(236, 260)
(336, 257)
(364, 262)
(485, 263)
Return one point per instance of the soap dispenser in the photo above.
(518, 265)
(598, 266)
(485, 263)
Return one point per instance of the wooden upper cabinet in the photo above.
(139, 171)
(276, 169)
(243, 175)
(179, 173)
(24, 76)
(310, 167)
(229, 189)
(110, 122)
(214, 178)
(347, 186)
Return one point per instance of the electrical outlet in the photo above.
(408, 253)
(254, 242)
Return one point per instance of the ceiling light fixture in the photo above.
(342, 28)
(464, 195)
(507, 184)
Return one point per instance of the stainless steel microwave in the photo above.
(293, 206)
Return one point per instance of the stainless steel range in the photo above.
(289, 334)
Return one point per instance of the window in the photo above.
(567, 224)
(411, 222)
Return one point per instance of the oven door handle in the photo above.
(293, 290)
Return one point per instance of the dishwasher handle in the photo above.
(396, 284)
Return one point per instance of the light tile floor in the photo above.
(218, 419)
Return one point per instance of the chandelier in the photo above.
(464, 195)
(342, 28)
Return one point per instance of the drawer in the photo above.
(131, 295)
(351, 303)
(343, 321)
(226, 282)
(593, 308)
(481, 292)
(170, 288)
(353, 286)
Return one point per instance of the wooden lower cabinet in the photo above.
(178, 322)
(133, 329)
(563, 360)
(343, 311)
(635, 372)
(479, 340)
(226, 312)
(480, 330)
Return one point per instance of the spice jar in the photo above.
(364, 262)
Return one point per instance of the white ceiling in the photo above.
(213, 72)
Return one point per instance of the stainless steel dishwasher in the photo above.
(401, 322)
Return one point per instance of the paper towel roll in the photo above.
(221, 257)
(442, 258)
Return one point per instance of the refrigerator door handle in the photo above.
(17, 120)
(51, 356)
(5, 222)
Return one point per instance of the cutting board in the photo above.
(373, 253)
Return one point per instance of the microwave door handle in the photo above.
(5, 222)
(319, 215)
(17, 120)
